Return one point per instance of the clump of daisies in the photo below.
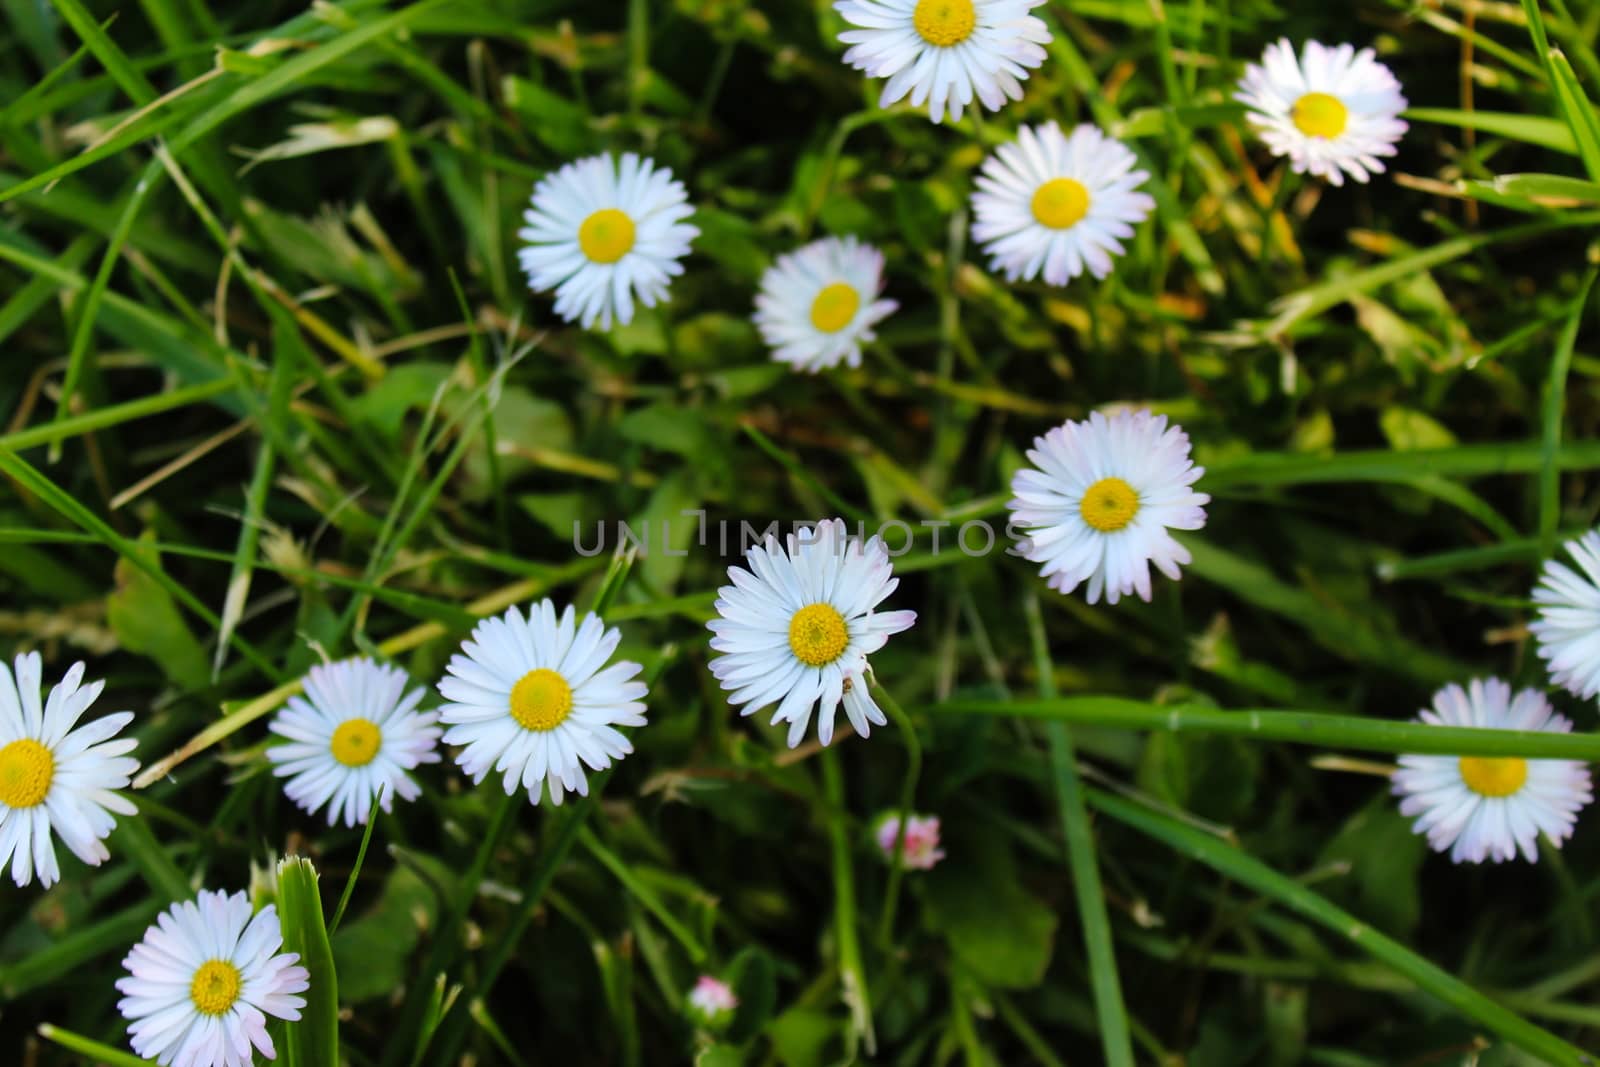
(605, 234)
(532, 698)
(796, 628)
(1331, 111)
(945, 52)
(711, 1003)
(356, 734)
(1056, 204)
(202, 982)
(1490, 807)
(1099, 501)
(919, 850)
(57, 777)
(819, 303)
(1568, 626)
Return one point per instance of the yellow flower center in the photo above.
(356, 742)
(943, 23)
(1109, 505)
(818, 635)
(1060, 203)
(835, 307)
(606, 236)
(541, 700)
(1494, 776)
(1320, 115)
(215, 987)
(26, 768)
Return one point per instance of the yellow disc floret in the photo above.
(1060, 203)
(26, 768)
(606, 236)
(944, 23)
(356, 742)
(1109, 505)
(215, 987)
(818, 635)
(541, 700)
(1320, 115)
(1494, 776)
(835, 307)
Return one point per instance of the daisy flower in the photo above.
(603, 235)
(358, 733)
(203, 981)
(712, 1002)
(1568, 627)
(1098, 507)
(529, 699)
(921, 849)
(1488, 807)
(53, 778)
(943, 52)
(797, 627)
(1058, 203)
(818, 304)
(1332, 111)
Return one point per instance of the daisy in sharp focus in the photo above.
(605, 234)
(1568, 626)
(797, 627)
(1100, 499)
(203, 981)
(1332, 111)
(533, 700)
(944, 52)
(819, 303)
(356, 732)
(1489, 807)
(56, 779)
(1058, 204)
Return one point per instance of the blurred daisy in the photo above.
(712, 1003)
(603, 235)
(1098, 507)
(529, 699)
(1332, 111)
(798, 626)
(943, 52)
(818, 304)
(1488, 807)
(1058, 204)
(54, 779)
(203, 981)
(357, 733)
(920, 850)
(1568, 627)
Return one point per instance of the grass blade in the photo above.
(314, 1040)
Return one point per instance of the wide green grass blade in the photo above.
(314, 1040)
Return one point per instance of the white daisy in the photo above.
(1332, 111)
(920, 848)
(817, 304)
(1058, 204)
(942, 52)
(1100, 504)
(798, 626)
(358, 733)
(1568, 627)
(1487, 807)
(203, 981)
(54, 778)
(603, 235)
(530, 700)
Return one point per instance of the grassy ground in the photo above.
(273, 387)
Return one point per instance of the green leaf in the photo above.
(147, 621)
(1386, 891)
(1409, 430)
(314, 1040)
(1002, 934)
(371, 951)
(1529, 129)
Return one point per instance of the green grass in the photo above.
(274, 388)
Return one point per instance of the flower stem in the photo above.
(852, 974)
(908, 792)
